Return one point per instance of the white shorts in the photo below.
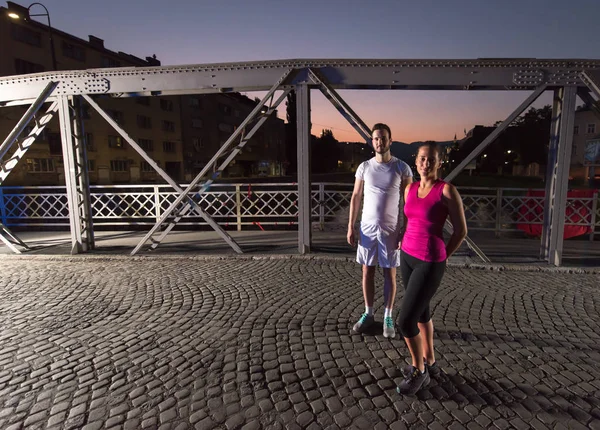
(378, 245)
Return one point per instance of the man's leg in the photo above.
(368, 286)
(389, 287)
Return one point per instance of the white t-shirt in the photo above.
(382, 190)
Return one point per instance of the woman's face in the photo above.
(428, 162)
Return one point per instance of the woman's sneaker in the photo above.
(388, 328)
(414, 381)
(363, 323)
(433, 370)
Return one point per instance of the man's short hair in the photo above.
(381, 126)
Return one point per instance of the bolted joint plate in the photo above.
(72, 86)
(529, 77)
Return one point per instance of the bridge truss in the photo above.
(64, 92)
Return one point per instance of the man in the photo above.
(382, 180)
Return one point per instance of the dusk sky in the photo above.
(214, 31)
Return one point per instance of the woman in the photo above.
(423, 260)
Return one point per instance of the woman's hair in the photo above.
(433, 146)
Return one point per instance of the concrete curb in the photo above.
(472, 266)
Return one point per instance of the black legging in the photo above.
(421, 280)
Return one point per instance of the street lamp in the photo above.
(14, 14)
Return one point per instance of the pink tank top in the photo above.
(424, 238)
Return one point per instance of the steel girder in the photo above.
(161, 172)
(239, 132)
(479, 74)
(6, 236)
(557, 174)
(303, 154)
(76, 178)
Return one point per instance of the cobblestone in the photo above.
(267, 343)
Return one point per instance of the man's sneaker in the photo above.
(433, 370)
(414, 381)
(364, 322)
(388, 328)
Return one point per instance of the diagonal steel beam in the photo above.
(340, 104)
(40, 124)
(488, 140)
(587, 98)
(224, 164)
(161, 172)
(592, 81)
(237, 133)
(9, 238)
(26, 118)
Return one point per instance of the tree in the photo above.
(325, 153)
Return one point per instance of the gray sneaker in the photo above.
(364, 322)
(433, 370)
(414, 381)
(388, 328)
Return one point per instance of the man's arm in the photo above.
(357, 194)
(406, 181)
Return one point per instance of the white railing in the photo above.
(238, 205)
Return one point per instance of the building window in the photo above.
(237, 113)
(197, 144)
(574, 151)
(23, 67)
(225, 109)
(116, 142)
(166, 105)
(91, 165)
(576, 130)
(146, 167)
(117, 115)
(110, 62)
(25, 35)
(168, 126)
(73, 51)
(195, 102)
(89, 141)
(228, 128)
(119, 166)
(146, 144)
(169, 146)
(40, 165)
(197, 123)
(143, 101)
(591, 128)
(144, 121)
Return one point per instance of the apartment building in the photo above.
(171, 128)
(586, 140)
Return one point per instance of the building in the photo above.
(171, 129)
(585, 131)
(210, 119)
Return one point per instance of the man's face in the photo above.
(381, 141)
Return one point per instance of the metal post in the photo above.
(304, 189)
(322, 206)
(594, 209)
(83, 186)
(156, 203)
(68, 148)
(238, 206)
(498, 211)
(550, 171)
(561, 175)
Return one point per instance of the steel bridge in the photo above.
(64, 92)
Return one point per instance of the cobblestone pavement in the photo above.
(178, 343)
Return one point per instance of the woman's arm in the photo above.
(457, 218)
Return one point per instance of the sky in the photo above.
(216, 31)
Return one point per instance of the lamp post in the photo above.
(16, 15)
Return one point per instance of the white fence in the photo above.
(239, 205)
